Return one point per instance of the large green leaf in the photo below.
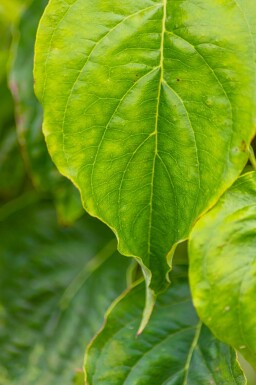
(223, 267)
(55, 285)
(39, 166)
(174, 349)
(149, 109)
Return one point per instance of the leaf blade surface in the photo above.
(222, 267)
(174, 349)
(144, 114)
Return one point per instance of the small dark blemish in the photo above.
(178, 80)
(243, 146)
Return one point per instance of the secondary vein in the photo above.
(191, 351)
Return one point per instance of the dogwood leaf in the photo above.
(223, 267)
(174, 349)
(149, 109)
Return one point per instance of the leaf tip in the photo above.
(148, 309)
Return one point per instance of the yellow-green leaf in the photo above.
(223, 267)
(149, 109)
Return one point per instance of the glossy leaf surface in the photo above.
(223, 267)
(55, 285)
(149, 109)
(174, 349)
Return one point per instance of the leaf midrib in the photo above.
(155, 132)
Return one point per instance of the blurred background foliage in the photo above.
(59, 268)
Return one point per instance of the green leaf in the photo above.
(174, 349)
(55, 285)
(223, 267)
(40, 168)
(247, 8)
(149, 109)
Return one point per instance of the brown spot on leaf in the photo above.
(243, 146)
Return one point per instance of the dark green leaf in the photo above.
(174, 349)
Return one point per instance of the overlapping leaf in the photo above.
(223, 267)
(43, 173)
(149, 109)
(55, 285)
(174, 349)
